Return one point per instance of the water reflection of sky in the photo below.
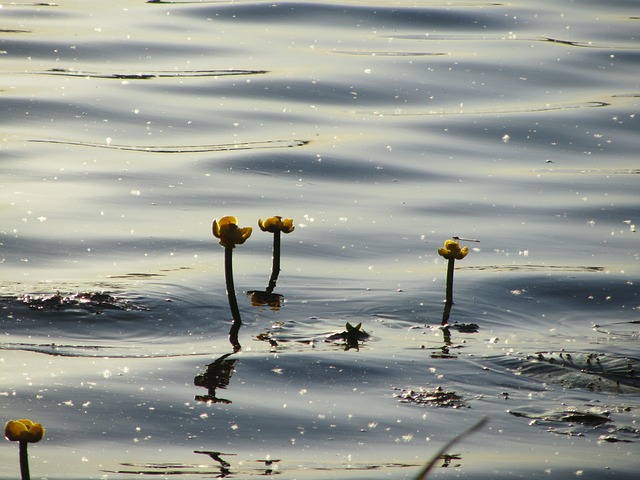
(382, 130)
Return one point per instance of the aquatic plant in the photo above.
(437, 397)
(23, 431)
(230, 234)
(352, 336)
(276, 225)
(452, 252)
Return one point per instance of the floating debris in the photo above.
(437, 397)
(465, 327)
(95, 302)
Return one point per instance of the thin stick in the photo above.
(425, 470)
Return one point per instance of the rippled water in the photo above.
(382, 129)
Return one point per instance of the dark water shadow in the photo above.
(91, 351)
(35, 4)
(534, 268)
(349, 13)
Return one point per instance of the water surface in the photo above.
(382, 129)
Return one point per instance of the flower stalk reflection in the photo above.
(217, 375)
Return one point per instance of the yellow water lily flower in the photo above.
(230, 235)
(23, 430)
(452, 250)
(275, 224)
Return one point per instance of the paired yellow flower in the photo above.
(230, 235)
(452, 250)
(276, 224)
(23, 430)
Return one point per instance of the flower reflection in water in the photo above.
(217, 375)
(225, 467)
(270, 465)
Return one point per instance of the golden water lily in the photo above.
(276, 224)
(452, 250)
(230, 235)
(23, 430)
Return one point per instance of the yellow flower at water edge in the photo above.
(452, 250)
(229, 233)
(275, 224)
(23, 430)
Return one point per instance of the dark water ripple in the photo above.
(151, 75)
(349, 14)
(185, 148)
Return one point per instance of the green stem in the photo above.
(449, 300)
(450, 265)
(231, 295)
(24, 461)
(275, 269)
